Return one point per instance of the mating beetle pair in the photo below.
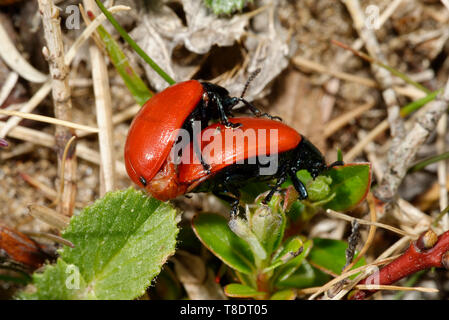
(154, 132)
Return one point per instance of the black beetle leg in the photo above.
(223, 117)
(197, 151)
(233, 202)
(278, 184)
(299, 186)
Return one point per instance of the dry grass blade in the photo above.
(46, 87)
(395, 288)
(366, 222)
(337, 123)
(103, 105)
(49, 216)
(51, 120)
(8, 86)
(51, 237)
(373, 134)
(345, 275)
(46, 140)
(16, 62)
(312, 65)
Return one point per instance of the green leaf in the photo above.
(350, 183)
(133, 82)
(330, 254)
(318, 189)
(268, 225)
(305, 276)
(287, 294)
(287, 269)
(226, 6)
(120, 245)
(241, 228)
(237, 290)
(292, 248)
(214, 233)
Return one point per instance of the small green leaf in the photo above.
(291, 249)
(287, 269)
(214, 233)
(287, 294)
(226, 6)
(319, 188)
(330, 254)
(241, 228)
(237, 290)
(304, 277)
(350, 183)
(339, 155)
(120, 245)
(267, 225)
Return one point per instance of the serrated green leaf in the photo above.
(214, 233)
(226, 6)
(350, 183)
(237, 290)
(121, 242)
(330, 254)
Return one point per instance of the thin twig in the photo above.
(345, 275)
(406, 151)
(441, 147)
(337, 123)
(51, 120)
(49, 216)
(103, 105)
(54, 54)
(11, 56)
(46, 140)
(8, 86)
(44, 90)
(366, 222)
(396, 288)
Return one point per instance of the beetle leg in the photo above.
(197, 150)
(223, 117)
(233, 202)
(278, 184)
(299, 186)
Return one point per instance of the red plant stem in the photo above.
(411, 261)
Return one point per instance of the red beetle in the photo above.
(259, 150)
(154, 130)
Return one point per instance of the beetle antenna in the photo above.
(250, 79)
